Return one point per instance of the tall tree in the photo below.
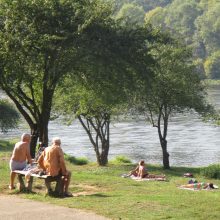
(106, 81)
(39, 42)
(175, 88)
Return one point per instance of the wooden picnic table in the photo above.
(47, 179)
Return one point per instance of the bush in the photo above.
(121, 160)
(9, 116)
(212, 171)
(76, 161)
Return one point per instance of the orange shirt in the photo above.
(52, 160)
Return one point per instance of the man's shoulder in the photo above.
(53, 148)
(20, 144)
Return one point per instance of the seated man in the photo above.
(20, 154)
(52, 161)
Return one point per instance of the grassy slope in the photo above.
(102, 190)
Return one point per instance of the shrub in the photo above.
(76, 161)
(212, 171)
(121, 160)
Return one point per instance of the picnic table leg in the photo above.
(59, 186)
(21, 182)
(30, 183)
(48, 185)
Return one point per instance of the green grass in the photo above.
(120, 160)
(76, 161)
(103, 191)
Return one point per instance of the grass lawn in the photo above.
(103, 191)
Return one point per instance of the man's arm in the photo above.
(40, 161)
(62, 162)
(28, 155)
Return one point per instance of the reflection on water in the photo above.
(191, 142)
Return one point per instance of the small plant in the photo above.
(212, 171)
(76, 161)
(121, 160)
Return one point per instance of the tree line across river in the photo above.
(196, 22)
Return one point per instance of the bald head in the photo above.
(25, 137)
(56, 141)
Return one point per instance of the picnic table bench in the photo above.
(47, 179)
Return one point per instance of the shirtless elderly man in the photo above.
(20, 155)
(52, 161)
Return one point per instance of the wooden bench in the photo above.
(48, 179)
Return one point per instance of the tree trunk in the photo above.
(163, 116)
(43, 133)
(103, 157)
(101, 129)
(45, 115)
(34, 138)
(166, 163)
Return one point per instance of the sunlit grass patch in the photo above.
(120, 160)
(76, 160)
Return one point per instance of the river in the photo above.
(191, 142)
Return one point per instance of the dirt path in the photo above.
(15, 208)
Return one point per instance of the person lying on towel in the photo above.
(199, 186)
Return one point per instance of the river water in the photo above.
(191, 142)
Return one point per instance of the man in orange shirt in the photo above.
(52, 161)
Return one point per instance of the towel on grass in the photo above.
(194, 189)
(143, 179)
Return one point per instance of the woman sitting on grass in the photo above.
(141, 172)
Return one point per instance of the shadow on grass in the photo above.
(23, 191)
(100, 195)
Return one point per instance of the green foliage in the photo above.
(9, 116)
(195, 22)
(212, 66)
(174, 88)
(39, 42)
(120, 160)
(6, 146)
(146, 4)
(76, 161)
(212, 171)
(181, 20)
(131, 15)
(175, 83)
(208, 26)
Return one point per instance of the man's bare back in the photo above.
(21, 152)
(20, 155)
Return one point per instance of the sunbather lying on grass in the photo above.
(199, 186)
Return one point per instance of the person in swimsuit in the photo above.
(20, 155)
(140, 170)
(199, 186)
